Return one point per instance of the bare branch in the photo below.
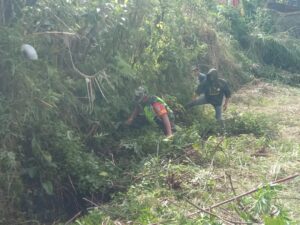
(214, 215)
(93, 203)
(56, 33)
(254, 190)
(73, 218)
(100, 89)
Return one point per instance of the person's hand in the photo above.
(225, 107)
(129, 121)
(168, 138)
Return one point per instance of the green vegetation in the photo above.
(67, 157)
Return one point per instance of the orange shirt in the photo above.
(159, 109)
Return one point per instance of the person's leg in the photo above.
(160, 124)
(199, 101)
(218, 111)
(172, 121)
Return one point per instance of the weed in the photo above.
(249, 123)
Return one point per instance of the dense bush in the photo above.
(277, 53)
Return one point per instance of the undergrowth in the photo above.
(60, 115)
(173, 180)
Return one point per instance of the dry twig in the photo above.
(214, 215)
(73, 218)
(254, 190)
(246, 193)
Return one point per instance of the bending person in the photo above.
(213, 91)
(154, 109)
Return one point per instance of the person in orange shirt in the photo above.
(155, 110)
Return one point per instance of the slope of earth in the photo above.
(282, 157)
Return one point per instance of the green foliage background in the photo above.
(56, 145)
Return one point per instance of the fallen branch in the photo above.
(239, 204)
(214, 215)
(73, 218)
(71, 182)
(56, 33)
(45, 103)
(254, 190)
(93, 203)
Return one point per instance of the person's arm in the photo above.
(202, 77)
(227, 93)
(201, 88)
(167, 125)
(132, 116)
(162, 112)
(226, 103)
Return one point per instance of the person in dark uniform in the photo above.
(213, 91)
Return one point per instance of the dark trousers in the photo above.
(201, 101)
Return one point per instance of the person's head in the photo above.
(140, 93)
(195, 70)
(212, 75)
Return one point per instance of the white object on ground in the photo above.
(29, 52)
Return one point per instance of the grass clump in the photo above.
(250, 123)
(193, 169)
